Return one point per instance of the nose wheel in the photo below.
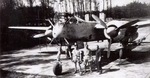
(57, 69)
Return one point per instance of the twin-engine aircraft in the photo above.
(124, 32)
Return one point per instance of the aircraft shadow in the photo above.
(139, 57)
(131, 57)
(25, 60)
(13, 74)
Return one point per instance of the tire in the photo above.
(57, 69)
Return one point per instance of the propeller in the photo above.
(112, 31)
(56, 31)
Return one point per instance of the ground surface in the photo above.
(37, 62)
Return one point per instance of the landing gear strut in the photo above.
(57, 69)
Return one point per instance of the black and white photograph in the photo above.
(74, 38)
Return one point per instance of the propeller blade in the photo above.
(49, 38)
(82, 20)
(39, 35)
(79, 19)
(99, 20)
(109, 45)
(129, 24)
(120, 53)
(48, 32)
(52, 40)
(50, 22)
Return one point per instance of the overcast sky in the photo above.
(124, 2)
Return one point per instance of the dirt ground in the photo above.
(38, 63)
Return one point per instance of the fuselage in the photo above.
(87, 32)
(81, 32)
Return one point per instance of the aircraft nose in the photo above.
(57, 30)
(54, 34)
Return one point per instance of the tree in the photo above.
(132, 10)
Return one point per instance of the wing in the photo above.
(28, 28)
(144, 23)
(126, 24)
(142, 35)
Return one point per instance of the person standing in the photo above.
(76, 58)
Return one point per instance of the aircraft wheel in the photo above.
(57, 69)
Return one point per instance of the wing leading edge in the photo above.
(28, 28)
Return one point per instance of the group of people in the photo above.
(84, 56)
